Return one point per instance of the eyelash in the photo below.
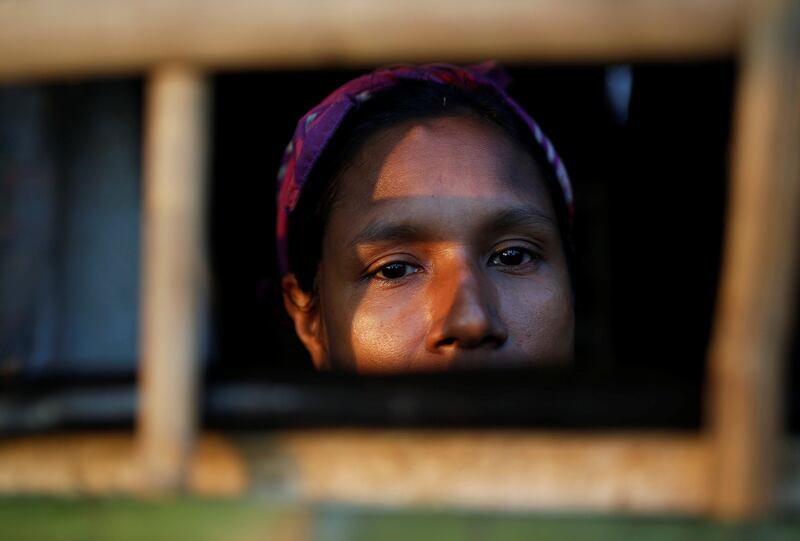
(529, 257)
(376, 274)
(532, 257)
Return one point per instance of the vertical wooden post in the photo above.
(752, 331)
(172, 271)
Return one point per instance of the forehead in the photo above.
(437, 160)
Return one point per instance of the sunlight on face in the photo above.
(442, 250)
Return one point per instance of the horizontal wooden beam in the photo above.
(476, 469)
(52, 38)
(638, 473)
(494, 470)
(108, 463)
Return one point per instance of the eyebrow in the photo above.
(381, 232)
(519, 217)
(513, 218)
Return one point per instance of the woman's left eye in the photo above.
(511, 257)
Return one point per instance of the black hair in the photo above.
(407, 100)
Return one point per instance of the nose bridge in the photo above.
(467, 316)
(470, 293)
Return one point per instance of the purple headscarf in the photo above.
(317, 127)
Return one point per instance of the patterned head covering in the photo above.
(317, 127)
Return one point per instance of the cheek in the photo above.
(370, 330)
(388, 329)
(338, 306)
(540, 319)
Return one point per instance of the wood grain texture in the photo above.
(49, 38)
(107, 464)
(634, 473)
(173, 262)
(641, 473)
(485, 469)
(760, 267)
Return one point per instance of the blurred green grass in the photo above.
(114, 519)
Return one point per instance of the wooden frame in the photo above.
(759, 274)
(729, 471)
(45, 38)
(173, 264)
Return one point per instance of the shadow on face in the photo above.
(442, 251)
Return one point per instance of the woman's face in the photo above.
(442, 250)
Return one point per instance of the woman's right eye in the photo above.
(395, 271)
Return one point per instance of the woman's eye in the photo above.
(511, 257)
(394, 271)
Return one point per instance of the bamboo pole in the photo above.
(46, 38)
(173, 234)
(757, 293)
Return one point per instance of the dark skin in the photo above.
(442, 250)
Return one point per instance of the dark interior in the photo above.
(649, 174)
